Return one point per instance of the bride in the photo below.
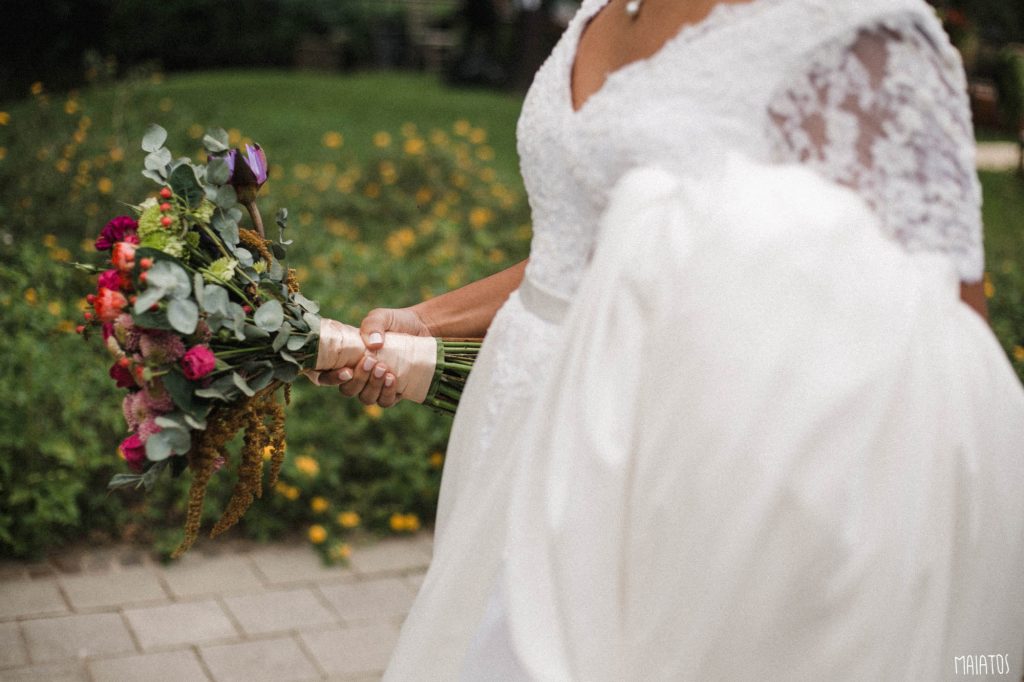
(738, 416)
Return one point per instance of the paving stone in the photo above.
(359, 650)
(195, 576)
(389, 556)
(65, 637)
(119, 588)
(58, 672)
(279, 611)
(271, 660)
(282, 565)
(12, 647)
(187, 623)
(384, 599)
(30, 598)
(169, 666)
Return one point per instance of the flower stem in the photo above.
(257, 219)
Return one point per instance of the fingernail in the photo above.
(368, 364)
(378, 371)
(390, 379)
(376, 337)
(344, 375)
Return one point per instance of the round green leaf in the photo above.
(269, 316)
(183, 315)
(154, 138)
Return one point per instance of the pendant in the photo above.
(633, 8)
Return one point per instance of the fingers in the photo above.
(373, 326)
(371, 392)
(388, 394)
(360, 376)
(335, 377)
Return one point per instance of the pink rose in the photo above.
(198, 362)
(134, 452)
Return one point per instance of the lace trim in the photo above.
(884, 111)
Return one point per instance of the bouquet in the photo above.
(207, 326)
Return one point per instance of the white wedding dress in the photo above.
(736, 424)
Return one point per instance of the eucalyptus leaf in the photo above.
(156, 175)
(180, 390)
(185, 184)
(313, 321)
(282, 218)
(254, 333)
(214, 393)
(198, 288)
(175, 420)
(269, 316)
(183, 315)
(150, 296)
(169, 275)
(311, 306)
(215, 140)
(282, 337)
(276, 270)
(217, 171)
(262, 380)
(158, 160)
(215, 299)
(152, 474)
(288, 357)
(286, 373)
(242, 385)
(154, 138)
(158, 446)
(297, 341)
(198, 424)
(124, 481)
(152, 319)
(279, 251)
(225, 197)
(244, 257)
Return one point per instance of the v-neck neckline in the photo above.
(687, 31)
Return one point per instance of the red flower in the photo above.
(123, 256)
(111, 279)
(122, 375)
(134, 452)
(198, 362)
(109, 304)
(118, 229)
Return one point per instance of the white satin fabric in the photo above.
(774, 445)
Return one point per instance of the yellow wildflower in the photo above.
(408, 129)
(381, 139)
(116, 154)
(3, 153)
(31, 297)
(436, 460)
(37, 88)
(478, 136)
(268, 452)
(485, 153)
(333, 140)
(373, 411)
(317, 534)
(195, 131)
(412, 523)
(5, 118)
(488, 175)
(66, 327)
(49, 240)
(54, 308)
(342, 551)
(348, 519)
(404, 523)
(388, 173)
(166, 104)
(414, 146)
(397, 522)
(424, 195)
(462, 127)
(71, 106)
(84, 123)
(319, 505)
(307, 465)
(990, 288)
(1018, 353)
(61, 255)
(234, 136)
(438, 137)
(480, 216)
(62, 166)
(372, 190)
(79, 136)
(105, 185)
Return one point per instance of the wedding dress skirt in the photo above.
(768, 444)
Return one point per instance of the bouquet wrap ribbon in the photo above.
(412, 359)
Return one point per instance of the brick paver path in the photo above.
(998, 156)
(239, 611)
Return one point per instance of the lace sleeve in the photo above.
(885, 112)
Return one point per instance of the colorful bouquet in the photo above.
(206, 323)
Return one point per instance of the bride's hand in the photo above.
(369, 379)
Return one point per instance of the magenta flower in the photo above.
(121, 228)
(110, 279)
(198, 362)
(135, 409)
(133, 449)
(157, 399)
